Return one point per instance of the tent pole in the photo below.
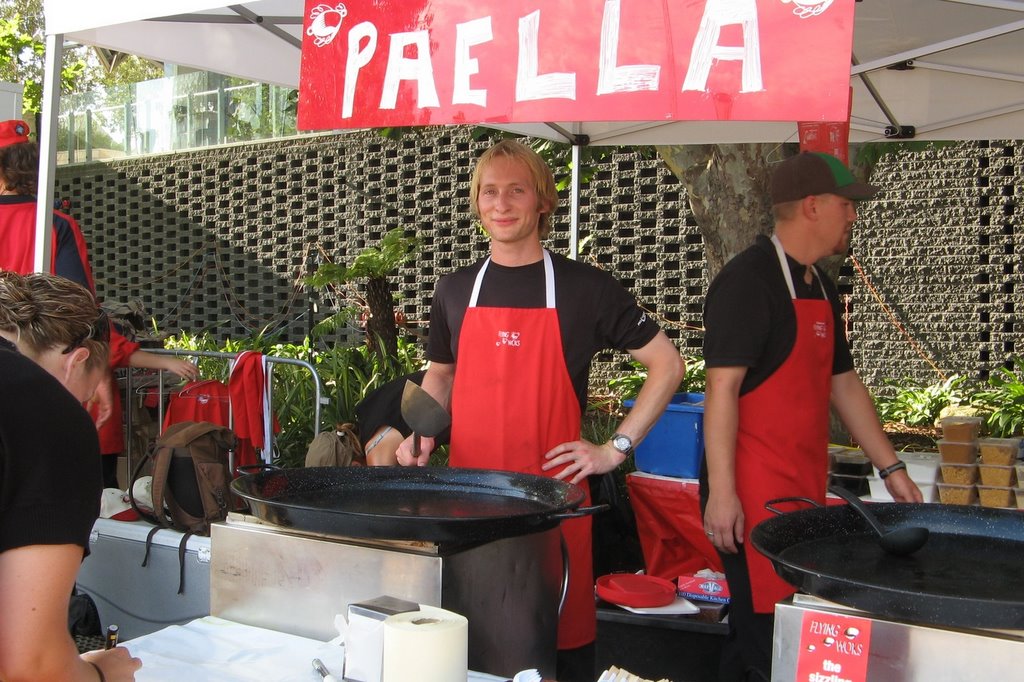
(47, 136)
(574, 206)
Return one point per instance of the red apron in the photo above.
(782, 443)
(512, 401)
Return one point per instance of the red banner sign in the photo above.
(833, 648)
(381, 63)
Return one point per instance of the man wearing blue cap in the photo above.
(776, 359)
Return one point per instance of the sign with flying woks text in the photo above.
(382, 63)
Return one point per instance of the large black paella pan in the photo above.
(436, 504)
(970, 573)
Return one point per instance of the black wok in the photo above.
(970, 573)
(435, 504)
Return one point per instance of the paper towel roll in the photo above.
(429, 645)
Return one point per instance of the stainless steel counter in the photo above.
(896, 651)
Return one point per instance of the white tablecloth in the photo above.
(212, 649)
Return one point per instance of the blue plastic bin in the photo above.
(675, 444)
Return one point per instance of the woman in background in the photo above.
(53, 353)
(19, 179)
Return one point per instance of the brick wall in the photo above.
(216, 239)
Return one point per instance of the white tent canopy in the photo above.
(927, 69)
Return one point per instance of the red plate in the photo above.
(638, 591)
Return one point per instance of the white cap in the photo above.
(114, 504)
(142, 490)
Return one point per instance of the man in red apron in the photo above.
(775, 358)
(510, 346)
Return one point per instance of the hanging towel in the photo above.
(250, 402)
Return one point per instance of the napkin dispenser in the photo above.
(364, 639)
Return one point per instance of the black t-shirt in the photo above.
(595, 312)
(50, 473)
(749, 320)
(383, 407)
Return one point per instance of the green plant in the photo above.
(628, 385)
(916, 405)
(1004, 400)
(374, 265)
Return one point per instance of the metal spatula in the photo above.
(424, 415)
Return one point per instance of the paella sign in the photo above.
(833, 648)
(380, 63)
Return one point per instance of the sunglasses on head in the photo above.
(99, 331)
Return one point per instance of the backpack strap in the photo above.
(151, 517)
(161, 456)
(182, 548)
(149, 545)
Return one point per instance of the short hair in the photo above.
(543, 178)
(46, 311)
(787, 210)
(19, 167)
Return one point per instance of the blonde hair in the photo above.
(543, 178)
(46, 311)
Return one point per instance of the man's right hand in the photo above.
(404, 452)
(723, 522)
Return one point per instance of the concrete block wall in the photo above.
(217, 239)
(941, 248)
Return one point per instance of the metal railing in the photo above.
(172, 114)
(272, 361)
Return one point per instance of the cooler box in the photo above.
(143, 600)
(675, 445)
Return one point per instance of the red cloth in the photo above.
(248, 392)
(208, 400)
(670, 526)
(512, 401)
(199, 401)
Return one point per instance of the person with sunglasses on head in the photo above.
(19, 168)
(53, 353)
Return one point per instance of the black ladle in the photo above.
(898, 541)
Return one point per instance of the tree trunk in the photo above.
(728, 186)
(381, 331)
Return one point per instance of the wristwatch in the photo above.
(622, 443)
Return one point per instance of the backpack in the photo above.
(191, 477)
(191, 480)
(338, 448)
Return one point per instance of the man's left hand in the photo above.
(902, 488)
(580, 459)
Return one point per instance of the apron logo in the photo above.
(821, 330)
(508, 339)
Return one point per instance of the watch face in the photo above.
(622, 443)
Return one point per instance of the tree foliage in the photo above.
(22, 57)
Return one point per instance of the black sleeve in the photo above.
(842, 358)
(622, 323)
(51, 473)
(737, 320)
(383, 407)
(68, 261)
(439, 338)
